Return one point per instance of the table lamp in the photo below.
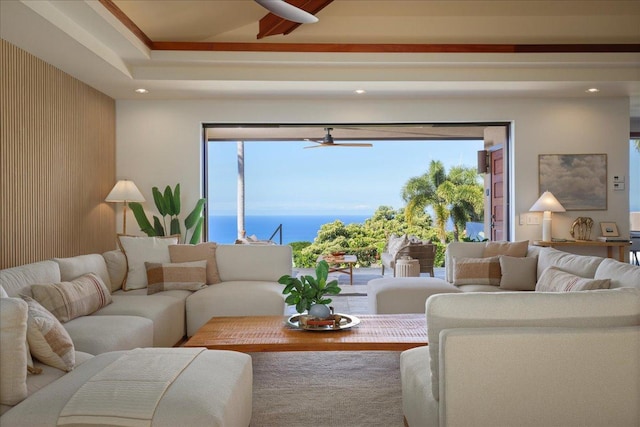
(124, 191)
(547, 203)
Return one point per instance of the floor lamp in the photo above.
(547, 203)
(124, 191)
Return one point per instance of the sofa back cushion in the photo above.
(461, 250)
(13, 350)
(601, 308)
(514, 249)
(74, 267)
(555, 280)
(622, 275)
(202, 252)
(580, 265)
(253, 262)
(116, 263)
(17, 281)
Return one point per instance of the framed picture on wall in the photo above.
(579, 181)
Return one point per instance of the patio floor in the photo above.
(353, 299)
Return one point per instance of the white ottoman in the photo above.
(397, 295)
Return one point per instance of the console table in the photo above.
(589, 243)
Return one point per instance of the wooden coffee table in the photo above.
(390, 332)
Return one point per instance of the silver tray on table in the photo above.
(342, 321)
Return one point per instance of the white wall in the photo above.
(159, 142)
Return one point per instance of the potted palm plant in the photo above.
(308, 293)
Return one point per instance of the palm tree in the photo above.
(457, 195)
(422, 191)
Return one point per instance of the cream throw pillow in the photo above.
(555, 280)
(476, 271)
(188, 276)
(139, 250)
(518, 274)
(13, 350)
(68, 300)
(3, 293)
(396, 242)
(201, 252)
(48, 340)
(514, 249)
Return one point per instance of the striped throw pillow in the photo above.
(188, 276)
(68, 300)
(553, 279)
(476, 271)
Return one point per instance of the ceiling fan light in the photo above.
(284, 10)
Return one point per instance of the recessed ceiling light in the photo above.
(593, 90)
(142, 90)
(360, 91)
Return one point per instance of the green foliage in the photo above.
(309, 290)
(168, 204)
(365, 241)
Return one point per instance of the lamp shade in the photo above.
(125, 191)
(547, 202)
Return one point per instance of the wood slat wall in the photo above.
(57, 158)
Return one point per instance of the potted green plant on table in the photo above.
(308, 293)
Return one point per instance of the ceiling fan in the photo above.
(328, 141)
(287, 11)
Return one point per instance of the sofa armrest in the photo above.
(546, 376)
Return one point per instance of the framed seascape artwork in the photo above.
(579, 181)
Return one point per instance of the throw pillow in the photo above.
(476, 271)
(139, 250)
(3, 293)
(68, 300)
(13, 350)
(396, 242)
(48, 340)
(514, 249)
(202, 252)
(555, 280)
(188, 276)
(518, 274)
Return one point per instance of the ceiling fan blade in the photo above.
(287, 11)
(352, 144)
(318, 146)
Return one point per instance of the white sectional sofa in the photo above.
(526, 359)
(500, 357)
(248, 286)
(526, 268)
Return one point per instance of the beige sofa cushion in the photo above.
(202, 252)
(600, 308)
(13, 350)
(74, 267)
(514, 249)
(68, 300)
(622, 275)
(555, 280)
(17, 281)
(117, 267)
(580, 265)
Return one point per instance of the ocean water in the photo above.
(223, 228)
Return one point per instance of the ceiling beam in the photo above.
(271, 25)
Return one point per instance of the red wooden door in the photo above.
(497, 195)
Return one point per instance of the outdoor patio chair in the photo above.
(424, 252)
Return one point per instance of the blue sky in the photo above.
(283, 177)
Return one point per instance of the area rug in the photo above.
(327, 389)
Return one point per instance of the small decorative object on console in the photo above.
(581, 228)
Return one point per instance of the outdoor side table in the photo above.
(407, 268)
